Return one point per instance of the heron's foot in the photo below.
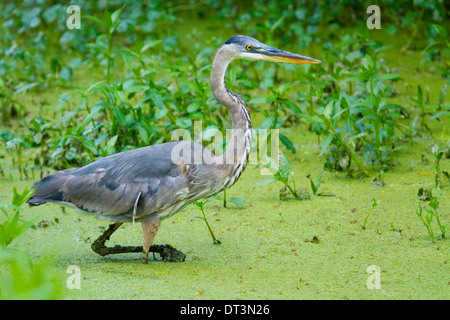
(168, 253)
(103, 250)
(99, 246)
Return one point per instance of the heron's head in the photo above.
(243, 47)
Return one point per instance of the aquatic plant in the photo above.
(110, 21)
(432, 211)
(285, 175)
(374, 203)
(13, 226)
(438, 153)
(200, 204)
(22, 279)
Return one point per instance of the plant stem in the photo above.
(441, 227)
(19, 160)
(108, 67)
(293, 191)
(377, 134)
(434, 204)
(215, 241)
(347, 149)
(365, 220)
(437, 179)
(374, 204)
(425, 223)
(224, 198)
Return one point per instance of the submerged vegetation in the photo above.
(136, 71)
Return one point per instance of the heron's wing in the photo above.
(137, 182)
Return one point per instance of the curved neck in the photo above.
(238, 148)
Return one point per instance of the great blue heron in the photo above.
(152, 183)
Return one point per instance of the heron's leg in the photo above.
(98, 246)
(150, 226)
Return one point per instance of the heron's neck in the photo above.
(238, 148)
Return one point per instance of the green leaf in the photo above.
(193, 107)
(287, 143)
(15, 255)
(314, 119)
(143, 135)
(107, 19)
(392, 29)
(119, 115)
(6, 135)
(284, 86)
(24, 87)
(89, 145)
(269, 122)
(313, 187)
(259, 100)
(20, 198)
(354, 55)
(201, 203)
(441, 31)
(319, 180)
(419, 95)
(344, 103)
(136, 88)
(265, 182)
(55, 66)
(277, 24)
(292, 106)
(94, 85)
(329, 110)
(96, 20)
(126, 56)
(115, 16)
(100, 139)
(111, 143)
(354, 78)
(149, 45)
(390, 107)
(440, 114)
(184, 122)
(325, 143)
(238, 202)
(65, 73)
(369, 62)
(13, 226)
(71, 153)
(388, 76)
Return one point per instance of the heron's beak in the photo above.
(274, 54)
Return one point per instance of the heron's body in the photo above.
(152, 183)
(133, 184)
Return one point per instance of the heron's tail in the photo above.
(48, 189)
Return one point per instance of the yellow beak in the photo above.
(274, 54)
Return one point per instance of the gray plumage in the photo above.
(109, 187)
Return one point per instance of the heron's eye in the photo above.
(249, 47)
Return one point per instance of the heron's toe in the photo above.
(169, 253)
